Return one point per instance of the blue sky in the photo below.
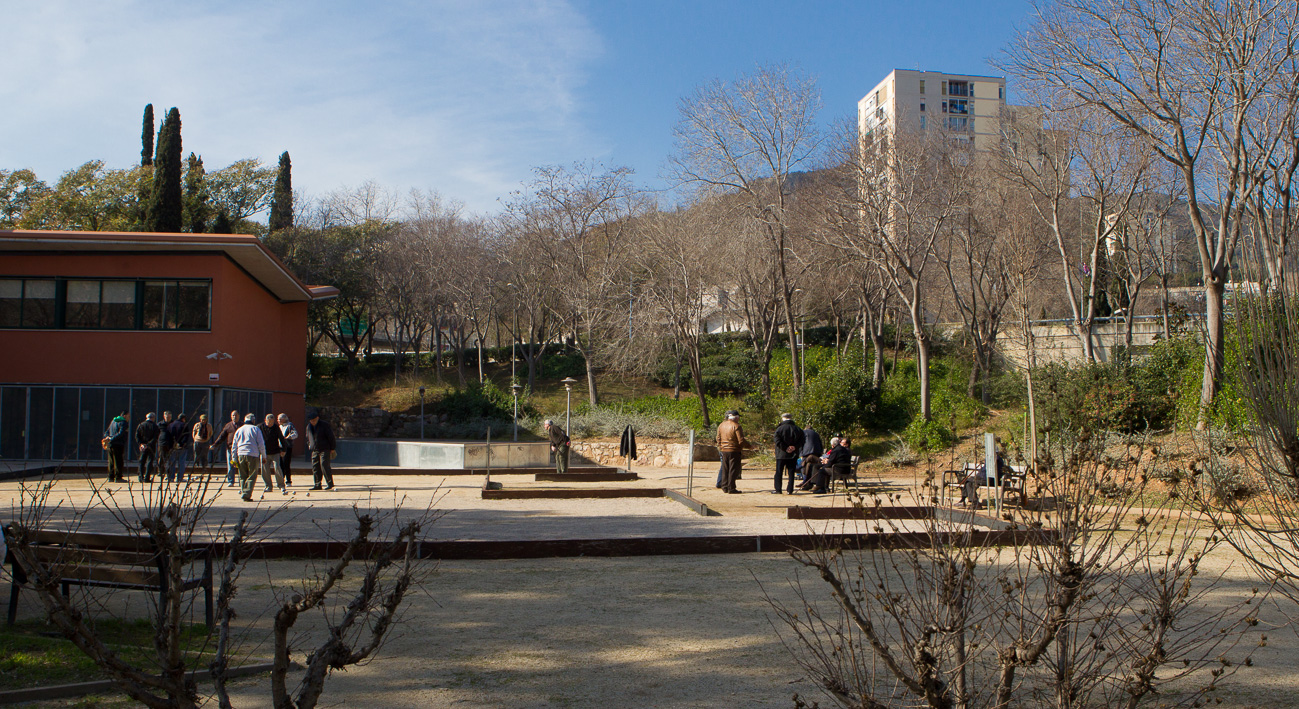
(459, 97)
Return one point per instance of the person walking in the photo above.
(223, 443)
(146, 439)
(181, 438)
(560, 444)
(321, 444)
(731, 443)
(274, 444)
(288, 434)
(788, 441)
(119, 429)
(201, 434)
(249, 450)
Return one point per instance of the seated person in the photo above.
(840, 455)
(978, 477)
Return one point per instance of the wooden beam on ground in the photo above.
(615, 476)
(572, 493)
(879, 512)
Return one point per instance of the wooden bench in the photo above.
(106, 560)
(1014, 482)
(843, 472)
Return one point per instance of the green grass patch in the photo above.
(34, 654)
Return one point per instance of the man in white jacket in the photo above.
(249, 450)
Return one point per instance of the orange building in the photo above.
(96, 323)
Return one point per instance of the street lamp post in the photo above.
(421, 413)
(516, 387)
(568, 383)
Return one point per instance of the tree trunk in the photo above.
(697, 374)
(1213, 344)
(922, 354)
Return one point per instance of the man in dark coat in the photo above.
(181, 438)
(560, 444)
(119, 429)
(811, 453)
(274, 441)
(789, 440)
(321, 444)
(146, 439)
(222, 443)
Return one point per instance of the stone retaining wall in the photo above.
(655, 454)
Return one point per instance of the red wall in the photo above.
(266, 338)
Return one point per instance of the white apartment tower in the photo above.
(962, 105)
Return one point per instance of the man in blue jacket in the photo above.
(118, 430)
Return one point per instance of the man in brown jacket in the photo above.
(731, 443)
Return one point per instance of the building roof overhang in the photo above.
(246, 251)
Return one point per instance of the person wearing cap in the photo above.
(320, 443)
(560, 444)
(731, 443)
(249, 449)
(788, 440)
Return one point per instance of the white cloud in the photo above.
(459, 97)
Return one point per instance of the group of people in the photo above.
(799, 453)
(248, 447)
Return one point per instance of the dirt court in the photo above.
(652, 631)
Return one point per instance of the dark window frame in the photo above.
(172, 321)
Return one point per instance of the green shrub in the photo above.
(930, 435)
(837, 398)
(478, 401)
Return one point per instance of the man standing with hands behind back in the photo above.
(731, 443)
(789, 439)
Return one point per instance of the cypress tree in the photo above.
(196, 195)
(146, 138)
(166, 201)
(222, 224)
(282, 200)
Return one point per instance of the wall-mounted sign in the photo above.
(214, 377)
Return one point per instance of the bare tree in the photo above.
(749, 137)
(1206, 84)
(677, 254)
(576, 219)
(1079, 150)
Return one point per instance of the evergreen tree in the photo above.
(222, 224)
(166, 203)
(146, 138)
(282, 200)
(197, 207)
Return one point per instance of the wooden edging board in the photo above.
(657, 546)
(571, 493)
(870, 512)
(614, 476)
(79, 689)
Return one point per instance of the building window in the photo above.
(175, 305)
(923, 123)
(959, 106)
(943, 88)
(958, 123)
(922, 106)
(92, 304)
(1001, 93)
(922, 86)
(958, 88)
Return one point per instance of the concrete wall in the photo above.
(1059, 342)
(435, 454)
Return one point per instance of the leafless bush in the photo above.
(1090, 602)
(172, 519)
